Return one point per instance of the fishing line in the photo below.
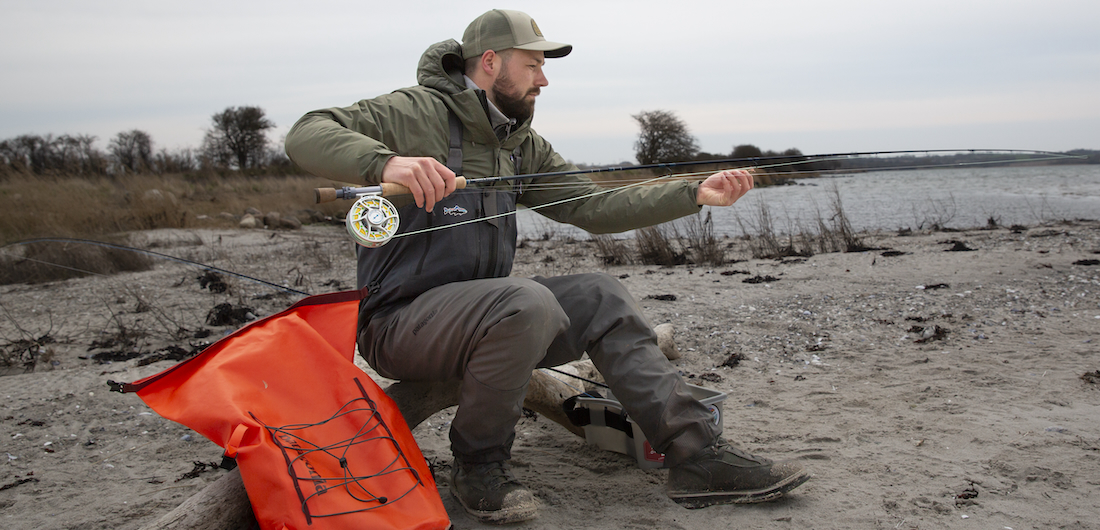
(60, 266)
(779, 161)
(347, 192)
(142, 251)
(536, 207)
(373, 221)
(586, 380)
(794, 174)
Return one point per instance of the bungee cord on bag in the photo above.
(300, 447)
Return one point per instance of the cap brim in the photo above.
(552, 50)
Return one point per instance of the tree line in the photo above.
(236, 141)
(665, 138)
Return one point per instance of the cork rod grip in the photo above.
(322, 195)
(390, 189)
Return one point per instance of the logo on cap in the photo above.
(535, 28)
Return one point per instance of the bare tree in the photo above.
(663, 138)
(34, 151)
(178, 161)
(238, 137)
(132, 151)
(42, 155)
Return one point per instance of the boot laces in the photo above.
(497, 474)
(724, 448)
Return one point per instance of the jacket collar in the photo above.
(502, 125)
(441, 68)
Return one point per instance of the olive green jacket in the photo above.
(353, 144)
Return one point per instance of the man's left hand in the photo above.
(724, 188)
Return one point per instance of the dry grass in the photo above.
(833, 233)
(35, 206)
(49, 261)
(687, 240)
(106, 209)
(613, 251)
(702, 244)
(660, 245)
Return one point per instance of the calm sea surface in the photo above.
(891, 200)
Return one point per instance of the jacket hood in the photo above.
(441, 67)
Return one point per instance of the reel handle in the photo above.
(386, 189)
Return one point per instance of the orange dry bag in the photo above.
(319, 444)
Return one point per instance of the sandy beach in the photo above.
(942, 380)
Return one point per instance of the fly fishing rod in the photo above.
(372, 220)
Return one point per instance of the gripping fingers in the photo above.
(742, 181)
(425, 178)
(427, 191)
(436, 181)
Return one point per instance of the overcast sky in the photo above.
(821, 76)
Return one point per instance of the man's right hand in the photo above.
(428, 180)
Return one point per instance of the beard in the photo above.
(511, 101)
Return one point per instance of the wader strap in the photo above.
(454, 153)
(517, 161)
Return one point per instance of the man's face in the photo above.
(518, 84)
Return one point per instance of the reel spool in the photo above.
(372, 221)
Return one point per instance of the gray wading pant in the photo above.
(492, 333)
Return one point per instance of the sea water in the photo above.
(903, 199)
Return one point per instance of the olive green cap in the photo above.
(501, 29)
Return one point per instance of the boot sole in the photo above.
(693, 500)
(514, 514)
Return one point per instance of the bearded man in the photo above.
(441, 305)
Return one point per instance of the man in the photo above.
(441, 306)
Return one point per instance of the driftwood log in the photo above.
(224, 503)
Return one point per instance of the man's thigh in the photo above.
(434, 336)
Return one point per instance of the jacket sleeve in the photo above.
(342, 144)
(576, 200)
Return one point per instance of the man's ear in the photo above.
(490, 63)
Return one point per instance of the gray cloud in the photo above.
(820, 76)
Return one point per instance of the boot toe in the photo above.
(723, 474)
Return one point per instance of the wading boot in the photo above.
(724, 474)
(491, 492)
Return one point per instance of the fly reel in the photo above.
(372, 221)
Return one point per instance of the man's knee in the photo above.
(531, 307)
(601, 294)
(605, 284)
(514, 336)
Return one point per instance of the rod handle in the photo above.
(389, 189)
(321, 195)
